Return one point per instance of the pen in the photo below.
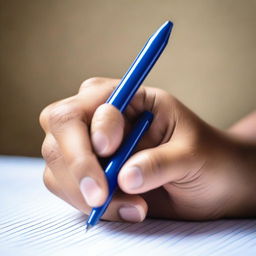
(117, 161)
(120, 98)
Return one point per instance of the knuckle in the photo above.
(165, 96)
(90, 82)
(48, 180)
(43, 117)
(160, 91)
(63, 113)
(50, 153)
(170, 98)
(94, 80)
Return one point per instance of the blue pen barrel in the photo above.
(118, 160)
(140, 67)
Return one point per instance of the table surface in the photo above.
(33, 221)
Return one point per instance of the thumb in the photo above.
(107, 129)
(152, 168)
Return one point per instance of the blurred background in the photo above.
(48, 47)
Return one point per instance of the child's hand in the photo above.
(183, 168)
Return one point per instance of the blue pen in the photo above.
(117, 161)
(120, 98)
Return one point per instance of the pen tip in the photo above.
(87, 227)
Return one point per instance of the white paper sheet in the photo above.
(34, 222)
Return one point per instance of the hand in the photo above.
(183, 168)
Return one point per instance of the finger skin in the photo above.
(125, 201)
(110, 123)
(152, 168)
(55, 186)
(168, 162)
(58, 178)
(107, 129)
(112, 213)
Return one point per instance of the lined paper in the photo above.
(35, 222)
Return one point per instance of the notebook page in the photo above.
(35, 222)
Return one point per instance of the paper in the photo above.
(34, 222)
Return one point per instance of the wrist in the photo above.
(242, 179)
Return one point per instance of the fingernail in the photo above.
(133, 177)
(100, 142)
(90, 191)
(131, 213)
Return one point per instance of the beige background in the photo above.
(48, 47)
